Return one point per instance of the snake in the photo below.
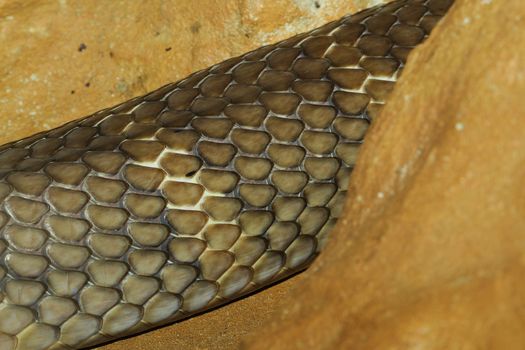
(198, 193)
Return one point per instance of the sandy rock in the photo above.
(62, 60)
(431, 252)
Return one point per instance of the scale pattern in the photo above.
(197, 193)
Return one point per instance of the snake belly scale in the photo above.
(197, 193)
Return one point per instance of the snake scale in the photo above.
(197, 193)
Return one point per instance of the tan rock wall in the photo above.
(63, 59)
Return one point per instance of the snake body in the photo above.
(197, 193)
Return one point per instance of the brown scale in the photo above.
(140, 177)
(313, 90)
(246, 115)
(222, 208)
(109, 246)
(197, 193)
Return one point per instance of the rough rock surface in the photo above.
(62, 60)
(431, 254)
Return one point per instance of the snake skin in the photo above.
(197, 193)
